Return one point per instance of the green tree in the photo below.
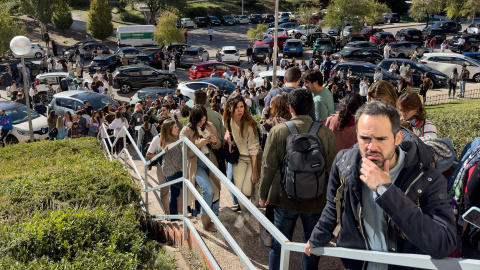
(167, 32)
(8, 30)
(425, 7)
(455, 10)
(40, 10)
(99, 22)
(155, 6)
(472, 7)
(62, 16)
(256, 34)
(340, 12)
(374, 11)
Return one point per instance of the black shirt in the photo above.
(89, 110)
(249, 51)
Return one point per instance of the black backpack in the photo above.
(52, 134)
(304, 174)
(147, 136)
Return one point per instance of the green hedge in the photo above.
(132, 17)
(63, 205)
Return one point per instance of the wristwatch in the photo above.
(382, 188)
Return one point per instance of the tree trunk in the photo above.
(153, 10)
(456, 24)
(428, 18)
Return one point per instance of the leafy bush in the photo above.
(132, 17)
(79, 3)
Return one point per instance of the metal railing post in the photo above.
(185, 189)
(125, 147)
(284, 258)
(146, 187)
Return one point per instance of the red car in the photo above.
(270, 41)
(205, 69)
(382, 36)
(367, 32)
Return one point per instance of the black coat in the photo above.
(425, 229)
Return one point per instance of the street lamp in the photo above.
(21, 45)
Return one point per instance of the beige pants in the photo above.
(242, 176)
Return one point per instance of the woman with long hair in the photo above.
(343, 123)
(94, 123)
(241, 126)
(68, 120)
(203, 134)
(412, 112)
(452, 83)
(117, 125)
(383, 91)
(51, 120)
(62, 131)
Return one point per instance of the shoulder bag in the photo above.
(230, 157)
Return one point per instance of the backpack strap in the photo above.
(338, 201)
(314, 128)
(291, 126)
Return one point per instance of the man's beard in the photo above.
(380, 163)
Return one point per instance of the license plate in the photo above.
(415, 36)
(293, 49)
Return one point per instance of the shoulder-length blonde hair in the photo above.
(166, 132)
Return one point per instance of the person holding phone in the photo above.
(471, 233)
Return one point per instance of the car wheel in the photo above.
(11, 139)
(166, 83)
(125, 88)
(38, 55)
(298, 36)
(476, 77)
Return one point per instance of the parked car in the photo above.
(439, 79)
(404, 49)
(227, 20)
(334, 31)
(292, 47)
(187, 88)
(391, 17)
(288, 25)
(269, 75)
(36, 51)
(152, 91)
(367, 32)
(473, 28)
(446, 62)
(54, 78)
(71, 100)
(130, 52)
(322, 43)
(256, 18)
(260, 52)
(89, 47)
(365, 45)
(230, 54)
(271, 31)
(20, 131)
(205, 69)
(284, 20)
(193, 55)
(104, 63)
(309, 39)
(302, 29)
(410, 34)
(382, 37)
(213, 20)
(365, 70)
(145, 59)
(69, 51)
(438, 33)
(270, 41)
(472, 44)
(200, 21)
(448, 27)
(241, 19)
(474, 55)
(177, 46)
(267, 18)
(347, 30)
(127, 78)
(359, 55)
(355, 37)
(12, 64)
(187, 23)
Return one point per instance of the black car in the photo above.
(213, 20)
(409, 34)
(392, 17)
(438, 33)
(146, 59)
(35, 69)
(131, 77)
(309, 39)
(104, 63)
(255, 18)
(439, 79)
(227, 20)
(359, 55)
(365, 70)
(285, 21)
(448, 27)
(472, 43)
(260, 52)
(267, 18)
(200, 21)
(356, 37)
(364, 45)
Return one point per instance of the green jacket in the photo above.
(217, 121)
(272, 163)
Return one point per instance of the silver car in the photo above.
(193, 55)
(71, 100)
(405, 49)
(130, 52)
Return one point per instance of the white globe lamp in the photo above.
(20, 45)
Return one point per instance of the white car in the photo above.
(473, 28)
(347, 30)
(187, 88)
(269, 75)
(187, 22)
(302, 29)
(20, 131)
(36, 52)
(446, 62)
(241, 19)
(230, 54)
(42, 80)
(271, 31)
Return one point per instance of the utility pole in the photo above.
(275, 45)
(242, 7)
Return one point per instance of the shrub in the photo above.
(132, 17)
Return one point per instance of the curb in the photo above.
(180, 260)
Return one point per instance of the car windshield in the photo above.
(293, 44)
(188, 20)
(225, 85)
(322, 42)
(98, 63)
(142, 58)
(190, 53)
(99, 101)
(267, 40)
(346, 51)
(436, 32)
(229, 51)
(227, 17)
(213, 18)
(261, 50)
(19, 114)
(472, 60)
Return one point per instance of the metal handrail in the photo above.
(402, 259)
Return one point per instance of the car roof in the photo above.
(7, 105)
(154, 89)
(358, 42)
(229, 48)
(365, 64)
(207, 63)
(270, 73)
(132, 66)
(444, 54)
(435, 28)
(196, 48)
(80, 95)
(294, 40)
(103, 57)
(53, 74)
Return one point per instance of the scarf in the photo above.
(416, 124)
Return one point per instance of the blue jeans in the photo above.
(249, 58)
(285, 221)
(174, 192)
(230, 177)
(462, 88)
(203, 180)
(268, 66)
